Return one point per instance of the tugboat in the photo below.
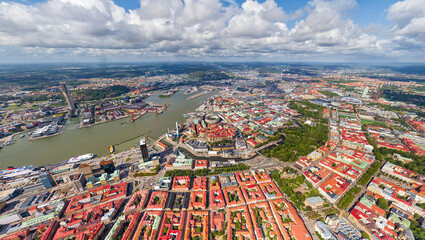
(111, 149)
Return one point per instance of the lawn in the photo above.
(374, 123)
(329, 94)
(346, 116)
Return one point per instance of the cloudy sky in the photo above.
(212, 30)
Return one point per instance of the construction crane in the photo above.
(132, 118)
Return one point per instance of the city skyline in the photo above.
(259, 151)
(212, 30)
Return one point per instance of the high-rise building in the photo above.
(107, 166)
(47, 179)
(79, 181)
(377, 95)
(144, 150)
(67, 95)
(365, 92)
(85, 169)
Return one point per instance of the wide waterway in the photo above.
(96, 139)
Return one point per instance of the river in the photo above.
(96, 139)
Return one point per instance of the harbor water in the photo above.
(97, 138)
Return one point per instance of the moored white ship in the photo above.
(81, 158)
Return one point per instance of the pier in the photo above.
(197, 95)
(138, 116)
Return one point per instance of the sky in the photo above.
(375, 31)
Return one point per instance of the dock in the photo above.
(135, 118)
(197, 95)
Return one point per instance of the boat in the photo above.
(201, 108)
(191, 90)
(168, 93)
(10, 142)
(111, 149)
(81, 158)
(23, 135)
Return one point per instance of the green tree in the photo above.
(365, 235)
(382, 203)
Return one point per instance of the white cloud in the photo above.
(192, 28)
(408, 32)
(404, 13)
(409, 18)
(326, 27)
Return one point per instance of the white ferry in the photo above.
(81, 158)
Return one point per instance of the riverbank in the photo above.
(102, 122)
(137, 117)
(10, 137)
